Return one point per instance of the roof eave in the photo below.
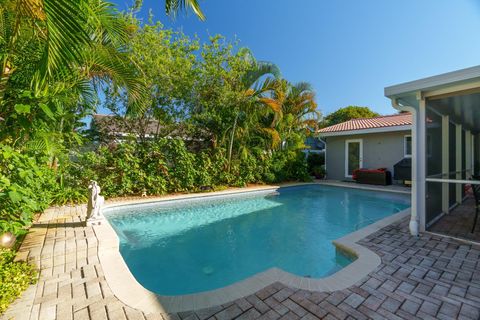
(365, 131)
(406, 91)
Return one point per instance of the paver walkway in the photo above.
(431, 277)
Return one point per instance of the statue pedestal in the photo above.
(95, 221)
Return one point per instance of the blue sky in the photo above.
(348, 49)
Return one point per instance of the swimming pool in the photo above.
(189, 246)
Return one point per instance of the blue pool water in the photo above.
(183, 247)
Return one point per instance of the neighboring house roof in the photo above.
(314, 143)
(114, 125)
(111, 127)
(397, 122)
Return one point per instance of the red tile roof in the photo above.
(403, 119)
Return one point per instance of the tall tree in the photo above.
(229, 93)
(168, 67)
(348, 113)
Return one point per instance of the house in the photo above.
(446, 110)
(314, 145)
(378, 142)
(113, 129)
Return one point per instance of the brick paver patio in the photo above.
(431, 277)
(459, 222)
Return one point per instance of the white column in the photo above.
(417, 212)
(458, 162)
(468, 154)
(420, 161)
(417, 218)
(445, 163)
(413, 226)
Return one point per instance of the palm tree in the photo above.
(66, 27)
(72, 35)
(254, 85)
(298, 108)
(59, 23)
(301, 105)
(70, 55)
(78, 47)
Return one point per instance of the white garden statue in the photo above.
(95, 203)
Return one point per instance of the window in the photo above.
(407, 146)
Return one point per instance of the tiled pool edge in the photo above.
(127, 289)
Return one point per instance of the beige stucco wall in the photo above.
(380, 150)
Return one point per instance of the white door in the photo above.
(353, 156)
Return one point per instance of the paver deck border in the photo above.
(132, 293)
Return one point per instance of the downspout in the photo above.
(414, 224)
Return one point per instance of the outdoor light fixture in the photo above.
(7, 240)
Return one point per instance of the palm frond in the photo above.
(104, 25)
(173, 6)
(64, 31)
(259, 71)
(46, 142)
(5, 26)
(273, 135)
(303, 86)
(273, 104)
(107, 64)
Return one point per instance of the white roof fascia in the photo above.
(434, 83)
(366, 131)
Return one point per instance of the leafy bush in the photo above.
(29, 185)
(25, 188)
(319, 172)
(315, 160)
(288, 166)
(166, 166)
(15, 277)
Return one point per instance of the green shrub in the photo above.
(318, 172)
(315, 160)
(289, 166)
(25, 188)
(29, 185)
(15, 277)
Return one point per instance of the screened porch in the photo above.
(452, 163)
(446, 150)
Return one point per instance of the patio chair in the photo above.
(476, 195)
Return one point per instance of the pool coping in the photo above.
(127, 289)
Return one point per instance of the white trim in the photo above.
(436, 82)
(360, 141)
(366, 131)
(456, 181)
(405, 154)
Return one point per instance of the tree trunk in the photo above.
(230, 148)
